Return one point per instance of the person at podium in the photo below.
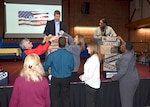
(54, 26)
(103, 30)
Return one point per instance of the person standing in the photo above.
(91, 75)
(61, 62)
(31, 88)
(75, 46)
(54, 26)
(127, 75)
(103, 30)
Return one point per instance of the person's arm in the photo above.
(97, 33)
(112, 32)
(120, 38)
(70, 38)
(123, 67)
(41, 49)
(74, 49)
(48, 62)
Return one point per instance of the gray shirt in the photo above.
(75, 50)
(126, 67)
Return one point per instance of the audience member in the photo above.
(31, 88)
(54, 26)
(75, 46)
(27, 46)
(127, 75)
(61, 63)
(91, 74)
(144, 58)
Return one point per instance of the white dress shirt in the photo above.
(57, 28)
(91, 74)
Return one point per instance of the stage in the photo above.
(108, 95)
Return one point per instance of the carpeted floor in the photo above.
(14, 67)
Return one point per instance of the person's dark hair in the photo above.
(56, 12)
(104, 20)
(62, 42)
(129, 46)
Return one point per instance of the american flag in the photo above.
(32, 18)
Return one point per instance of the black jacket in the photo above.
(50, 27)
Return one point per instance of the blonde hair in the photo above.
(32, 68)
(95, 48)
(81, 42)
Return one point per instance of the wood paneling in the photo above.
(116, 13)
(143, 23)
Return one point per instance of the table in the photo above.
(10, 51)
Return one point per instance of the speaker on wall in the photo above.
(85, 8)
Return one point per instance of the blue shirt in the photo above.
(61, 63)
(57, 28)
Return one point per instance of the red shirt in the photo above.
(30, 94)
(38, 50)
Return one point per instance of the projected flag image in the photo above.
(32, 18)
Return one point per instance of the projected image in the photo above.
(32, 18)
(27, 20)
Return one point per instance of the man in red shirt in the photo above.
(27, 46)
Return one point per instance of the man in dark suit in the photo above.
(54, 26)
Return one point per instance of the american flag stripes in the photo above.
(32, 18)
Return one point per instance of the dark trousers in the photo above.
(90, 96)
(127, 91)
(75, 77)
(60, 92)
